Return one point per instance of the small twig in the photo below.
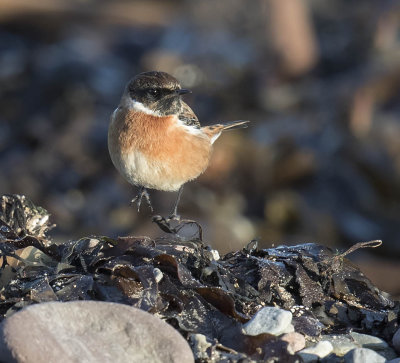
(370, 244)
(332, 264)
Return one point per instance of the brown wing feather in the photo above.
(188, 117)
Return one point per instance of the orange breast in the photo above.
(166, 153)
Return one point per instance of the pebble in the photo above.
(89, 331)
(289, 329)
(269, 320)
(341, 343)
(200, 345)
(314, 353)
(295, 340)
(215, 255)
(369, 341)
(363, 355)
(158, 275)
(396, 341)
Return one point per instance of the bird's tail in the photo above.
(214, 131)
(232, 125)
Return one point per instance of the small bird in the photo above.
(155, 139)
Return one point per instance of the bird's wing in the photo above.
(188, 117)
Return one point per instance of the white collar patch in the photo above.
(139, 106)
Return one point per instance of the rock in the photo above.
(369, 341)
(341, 343)
(269, 320)
(320, 350)
(289, 329)
(396, 341)
(307, 325)
(388, 353)
(158, 275)
(215, 255)
(296, 341)
(363, 355)
(396, 360)
(89, 331)
(200, 345)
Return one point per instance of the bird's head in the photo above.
(155, 93)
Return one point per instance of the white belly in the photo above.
(140, 171)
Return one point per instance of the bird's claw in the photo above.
(138, 199)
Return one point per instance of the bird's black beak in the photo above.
(183, 91)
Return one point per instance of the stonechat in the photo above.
(155, 139)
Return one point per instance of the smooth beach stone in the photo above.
(89, 331)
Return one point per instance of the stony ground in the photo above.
(287, 304)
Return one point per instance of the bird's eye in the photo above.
(154, 92)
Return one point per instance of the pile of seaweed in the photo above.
(188, 285)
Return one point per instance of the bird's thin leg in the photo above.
(138, 199)
(174, 215)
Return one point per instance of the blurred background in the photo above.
(319, 80)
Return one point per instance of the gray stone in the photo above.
(369, 341)
(341, 343)
(363, 355)
(269, 320)
(89, 331)
(295, 340)
(314, 353)
(289, 329)
(200, 345)
(158, 275)
(396, 341)
(395, 360)
(346, 342)
(215, 255)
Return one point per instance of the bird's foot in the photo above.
(174, 217)
(138, 199)
(174, 228)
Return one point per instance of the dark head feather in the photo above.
(158, 91)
